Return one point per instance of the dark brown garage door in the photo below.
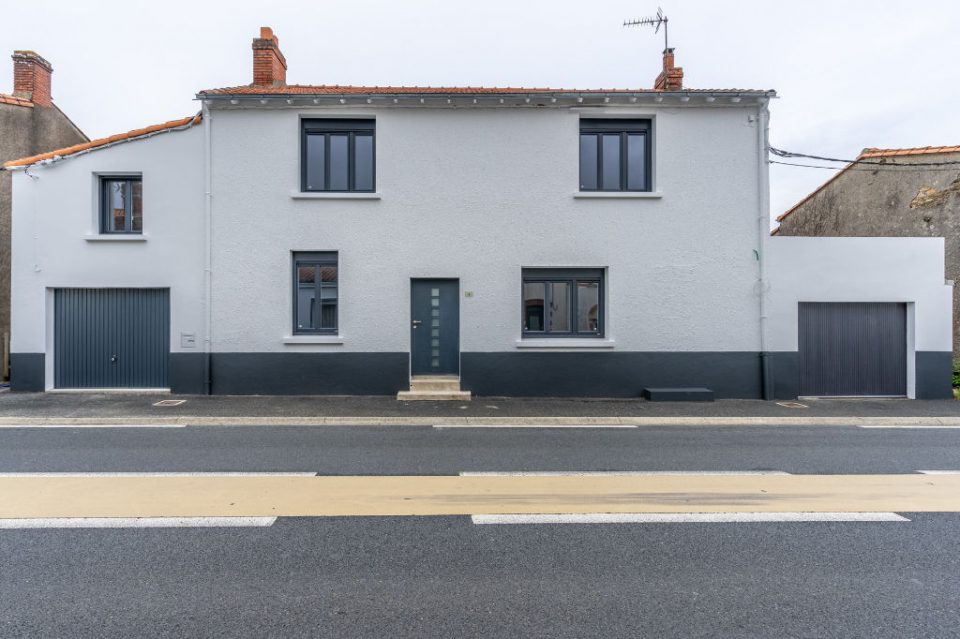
(853, 349)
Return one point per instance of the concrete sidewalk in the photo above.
(66, 408)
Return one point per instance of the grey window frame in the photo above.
(327, 128)
(623, 127)
(106, 228)
(571, 276)
(316, 259)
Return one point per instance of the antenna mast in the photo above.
(658, 21)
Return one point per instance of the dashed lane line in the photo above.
(615, 473)
(136, 522)
(534, 425)
(687, 518)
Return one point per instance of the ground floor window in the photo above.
(315, 294)
(562, 302)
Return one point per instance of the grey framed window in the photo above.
(121, 204)
(337, 155)
(563, 302)
(315, 293)
(615, 155)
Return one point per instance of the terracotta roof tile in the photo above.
(6, 98)
(922, 150)
(92, 144)
(301, 89)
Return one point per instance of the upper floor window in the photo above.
(614, 155)
(337, 155)
(315, 295)
(121, 204)
(562, 302)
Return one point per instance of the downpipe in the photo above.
(763, 236)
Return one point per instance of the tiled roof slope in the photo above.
(867, 154)
(302, 89)
(93, 144)
(6, 98)
(893, 153)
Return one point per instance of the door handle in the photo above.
(416, 323)
(113, 359)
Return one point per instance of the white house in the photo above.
(532, 242)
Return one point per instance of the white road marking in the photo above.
(138, 522)
(911, 426)
(939, 472)
(616, 473)
(685, 518)
(160, 474)
(93, 425)
(534, 426)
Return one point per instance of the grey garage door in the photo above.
(853, 349)
(111, 337)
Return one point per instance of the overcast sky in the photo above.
(849, 74)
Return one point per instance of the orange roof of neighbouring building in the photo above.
(93, 144)
(6, 98)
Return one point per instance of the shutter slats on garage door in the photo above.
(111, 338)
(853, 349)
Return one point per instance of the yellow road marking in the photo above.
(77, 496)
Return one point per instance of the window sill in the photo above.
(117, 237)
(312, 339)
(561, 343)
(621, 195)
(311, 195)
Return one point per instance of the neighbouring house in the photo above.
(446, 241)
(890, 193)
(30, 123)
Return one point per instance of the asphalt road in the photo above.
(411, 450)
(446, 577)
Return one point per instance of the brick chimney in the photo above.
(269, 65)
(31, 78)
(671, 78)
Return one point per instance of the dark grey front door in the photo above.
(850, 349)
(111, 338)
(435, 327)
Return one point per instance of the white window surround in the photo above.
(628, 195)
(116, 237)
(293, 340)
(563, 343)
(333, 195)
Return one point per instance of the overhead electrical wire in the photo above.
(901, 168)
(885, 163)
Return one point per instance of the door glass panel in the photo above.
(588, 162)
(560, 306)
(307, 315)
(588, 307)
(339, 163)
(611, 162)
(136, 204)
(533, 293)
(315, 162)
(363, 162)
(637, 162)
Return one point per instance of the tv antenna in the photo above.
(656, 22)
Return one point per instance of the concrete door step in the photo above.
(414, 395)
(435, 388)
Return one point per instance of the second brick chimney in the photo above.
(671, 78)
(269, 65)
(31, 78)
